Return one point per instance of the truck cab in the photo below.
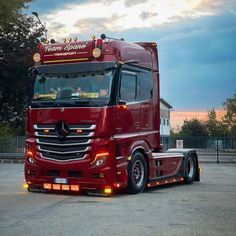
(93, 122)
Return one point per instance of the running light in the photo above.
(74, 187)
(56, 187)
(36, 57)
(97, 52)
(47, 186)
(100, 159)
(65, 187)
(107, 190)
(25, 186)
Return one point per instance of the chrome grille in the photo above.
(75, 146)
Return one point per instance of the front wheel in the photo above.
(190, 169)
(137, 173)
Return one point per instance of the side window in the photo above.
(128, 87)
(145, 85)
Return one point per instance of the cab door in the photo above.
(127, 116)
(145, 96)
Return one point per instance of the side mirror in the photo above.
(32, 72)
(121, 102)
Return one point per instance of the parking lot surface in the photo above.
(205, 208)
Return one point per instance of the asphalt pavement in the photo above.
(205, 208)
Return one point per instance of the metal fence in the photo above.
(14, 144)
(209, 149)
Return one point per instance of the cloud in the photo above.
(130, 3)
(196, 41)
(145, 15)
(128, 14)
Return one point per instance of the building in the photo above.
(165, 109)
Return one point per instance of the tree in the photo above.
(230, 116)
(18, 42)
(193, 128)
(214, 127)
(10, 10)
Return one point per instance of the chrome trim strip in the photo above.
(61, 152)
(64, 144)
(89, 128)
(37, 128)
(69, 136)
(52, 159)
(75, 128)
(128, 72)
(121, 157)
(165, 155)
(129, 135)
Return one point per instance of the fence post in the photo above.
(217, 151)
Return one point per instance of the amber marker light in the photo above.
(65, 187)
(56, 187)
(25, 186)
(30, 156)
(79, 131)
(107, 190)
(74, 188)
(124, 107)
(47, 186)
(46, 131)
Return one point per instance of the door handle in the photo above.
(136, 124)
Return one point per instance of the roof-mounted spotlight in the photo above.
(103, 36)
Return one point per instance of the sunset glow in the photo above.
(118, 16)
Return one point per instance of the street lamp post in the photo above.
(43, 25)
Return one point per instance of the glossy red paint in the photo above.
(116, 130)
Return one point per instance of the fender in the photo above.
(187, 153)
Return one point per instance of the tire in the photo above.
(137, 173)
(190, 169)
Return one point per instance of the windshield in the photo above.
(92, 87)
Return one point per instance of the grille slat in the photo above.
(75, 146)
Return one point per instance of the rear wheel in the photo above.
(190, 169)
(137, 173)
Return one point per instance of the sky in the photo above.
(196, 40)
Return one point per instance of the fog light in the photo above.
(107, 190)
(25, 186)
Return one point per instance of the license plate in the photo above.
(60, 181)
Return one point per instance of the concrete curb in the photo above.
(11, 161)
(12, 157)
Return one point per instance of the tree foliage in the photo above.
(193, 128)
(10, 10)
(230, 116)
(18, 42)
(212, 127)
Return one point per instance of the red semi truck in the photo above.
(94, 121)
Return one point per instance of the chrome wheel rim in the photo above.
(190, 168)
(138, 173)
